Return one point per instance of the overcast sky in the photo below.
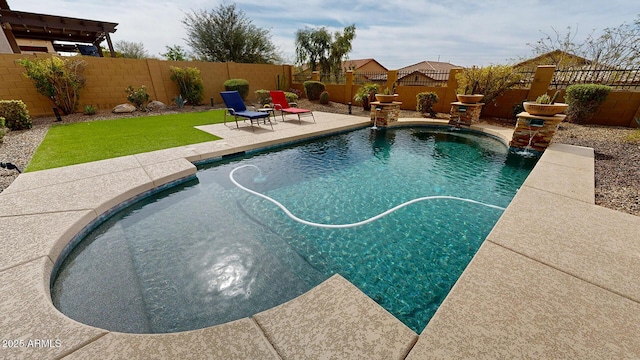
(395, 33)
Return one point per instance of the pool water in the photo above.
(205, 252)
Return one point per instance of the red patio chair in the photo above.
(280, 103)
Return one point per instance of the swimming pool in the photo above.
(205, 252)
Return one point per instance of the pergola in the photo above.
(25, 25)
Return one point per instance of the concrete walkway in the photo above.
(558, 277)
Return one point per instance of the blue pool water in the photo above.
(205, 252)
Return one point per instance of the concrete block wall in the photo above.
(107, 79)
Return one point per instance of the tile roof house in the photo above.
(431, 73)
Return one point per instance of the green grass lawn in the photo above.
(77, 143)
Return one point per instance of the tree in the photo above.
(131, 50)
(175, 53)
(225, 34)
(615, 47)
(321, 51)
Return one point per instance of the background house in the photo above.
(28, 33)
(430, 73)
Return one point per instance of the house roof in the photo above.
(358, 63)
(433, 69)
(552, 58)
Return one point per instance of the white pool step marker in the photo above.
(342, 226)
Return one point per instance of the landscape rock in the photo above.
(156, 105)
(124, 108)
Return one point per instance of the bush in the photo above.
(584, 100)
(297, 93)
(241, 85)
(491, 81)
(15, 114)
(90, 110)
(263, 97)
(139, 98)
(313, 89)
(365, 95)
(425, 101)
(190, 84)
(324, 98)
(57, 79)
(291, 97)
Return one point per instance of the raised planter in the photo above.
(383, 98)
(469, 99)
(534, 108)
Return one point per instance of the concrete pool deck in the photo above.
(557, 277)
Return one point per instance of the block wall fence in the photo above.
(619, 109)
(107, 79)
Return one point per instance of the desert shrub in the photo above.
(491, 81)
(189, 83)
(263, 97)
(15, 114)
(517, 109)
(58, 79)
(241, 85)
(297, 92)
(291, 97)
(139, 98)
(584, 100)
(313, 89)
(365, 95)
(425, 101)
(324, 98)
(90, 110)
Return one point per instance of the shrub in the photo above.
(313, 89)
(139, 98)
(189, 82)
(263, 97)
(297, 92)
(90, 110)
(59, 80)
(291, 97)
(241, 85)
(425, 101)
(15, 114)
(324, 98)
(491, 81)
(365, 94)
(584, 100)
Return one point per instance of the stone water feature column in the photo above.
(464, 113)
(533, 133)
(383, 114)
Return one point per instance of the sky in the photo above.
(395, 33)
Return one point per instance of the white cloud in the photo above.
(396, 33)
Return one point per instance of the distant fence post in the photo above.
(541, 81)
(315, 76)
(348, 90)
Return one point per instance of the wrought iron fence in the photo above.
(423, 77)
(526, 78)
(338, 78)
(360, 78)
(619, 79)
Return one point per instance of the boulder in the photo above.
(124, 108)
(156, 105)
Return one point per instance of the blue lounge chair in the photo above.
(235, 106)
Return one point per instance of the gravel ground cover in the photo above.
(617, 149)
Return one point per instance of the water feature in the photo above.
(208, 252)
